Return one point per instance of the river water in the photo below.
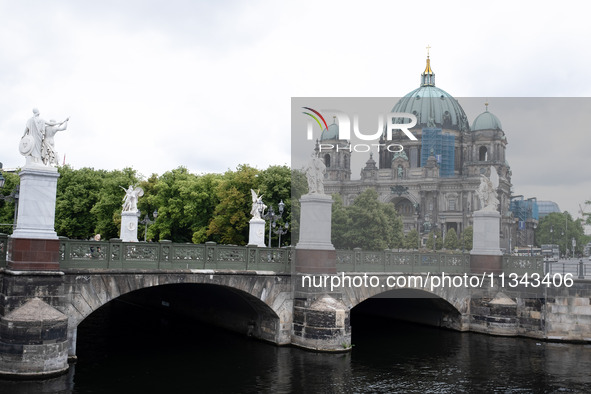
(126, 349)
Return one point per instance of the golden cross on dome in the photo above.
(428, 47)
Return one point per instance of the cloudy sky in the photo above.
(207, 85)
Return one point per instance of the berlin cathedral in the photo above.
(433, 181)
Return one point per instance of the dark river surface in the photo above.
(125, 349)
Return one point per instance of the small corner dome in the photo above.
(486, 121)
(332, 133)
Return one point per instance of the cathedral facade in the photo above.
(433, 181)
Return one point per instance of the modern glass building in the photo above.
(547, 207)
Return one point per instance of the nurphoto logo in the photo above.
(392, 121)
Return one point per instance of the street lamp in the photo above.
(532, 240)
(574, 244)
(146, 220)
(552, 233)
(272, 217)
(280, 231)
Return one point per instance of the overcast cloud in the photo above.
(207, 85)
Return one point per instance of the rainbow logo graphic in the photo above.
(316, 119)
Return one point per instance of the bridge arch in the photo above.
(269, 297)
(451, 304)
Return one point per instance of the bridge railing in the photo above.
(115, 254)
(357, 260)
(523, 264)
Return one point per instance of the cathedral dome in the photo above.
(432, 106)
(332, 133)
(486, 121)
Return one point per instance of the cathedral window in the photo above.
(483, 154)
(327, 160)
(452, 204)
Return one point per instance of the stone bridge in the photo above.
(256, 291)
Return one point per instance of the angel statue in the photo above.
(258, 207)
(315, 171)
(487, 191)
(130, 199)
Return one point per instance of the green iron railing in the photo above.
(114, 254)
(167, 255)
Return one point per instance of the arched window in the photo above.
(483, 154)
(327, 160)
(347, 162)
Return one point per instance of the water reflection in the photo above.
(123, 349)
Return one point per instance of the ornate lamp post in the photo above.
(272, 217)
(562, 235)
(146, 221)
(280, 231)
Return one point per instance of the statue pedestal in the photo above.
(321, 320)
(486, 253)
(128, 227)
(36, 204)
(256, 233)
(315, 222)
(34, 244)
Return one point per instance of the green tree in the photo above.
(560, 229)
(77, 193)
(411, 240)
(451, 240)
(7, 206)
(299, 187)
(372, 225)
(466, 239)
(107, 208)
(229, 224)
(438, 242)
(185, 203)
(275, 186)
(341, 223)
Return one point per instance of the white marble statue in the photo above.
(258, 207)
(37, 143)
(315, 171)
(130, 199)
(487, 191)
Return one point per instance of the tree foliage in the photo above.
(229, 224)
(7, 206)
(466, 239)
(560, 229)
(411, 239)
(434, 237)
(367, 223)
(451, 241)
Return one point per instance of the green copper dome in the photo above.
(332, 133)
(432, 106)
(486, 121)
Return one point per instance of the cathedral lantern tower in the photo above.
(336, 154)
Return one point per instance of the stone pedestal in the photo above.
(36, 205)
(320, 319)
(315, 222)
(34, 244)
(486, 253)
(315, 252)
(128, 227)
(256, 233)
(33, 341)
